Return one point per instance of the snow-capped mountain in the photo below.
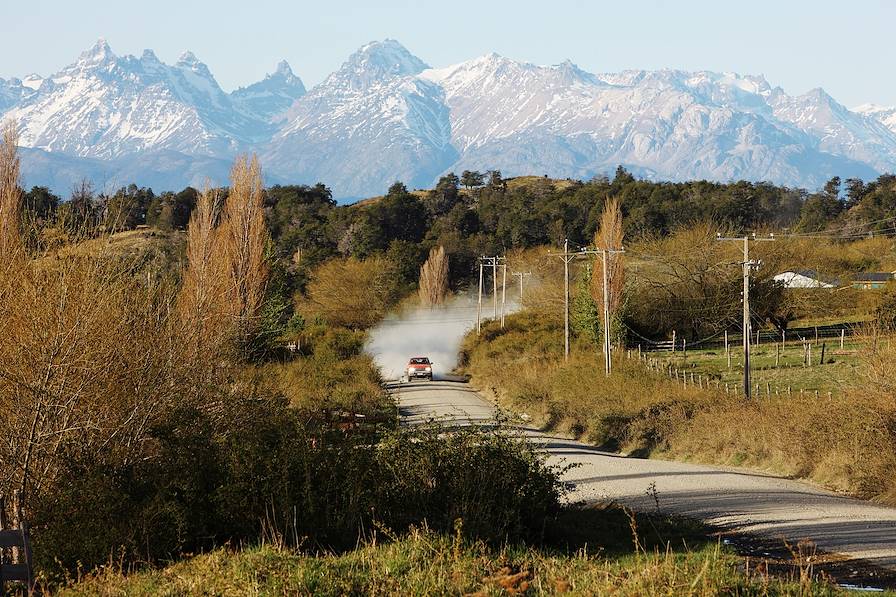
(372, 122)
(385, 115)
(107, 107)
(885, 114)
(269, 99)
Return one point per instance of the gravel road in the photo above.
(733, 499)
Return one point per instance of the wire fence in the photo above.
(838, 332)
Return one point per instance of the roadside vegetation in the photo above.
(831, 421)
(428, 563)
(183, 374)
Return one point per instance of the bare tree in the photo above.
(201, 295)
(609, 236)
(434, 278)
(10, 194)
(244, 237)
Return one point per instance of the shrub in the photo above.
(276, 470)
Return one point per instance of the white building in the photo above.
(802, 279)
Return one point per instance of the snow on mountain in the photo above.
(105, 106)
(370, 123)
(270, 98)
(385, 115)
(12, 93)
(523, 118)
(836, 130)
(885, 114)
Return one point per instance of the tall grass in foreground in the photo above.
(426, 563)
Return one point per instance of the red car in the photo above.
(420, 367)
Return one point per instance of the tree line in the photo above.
(473, 214)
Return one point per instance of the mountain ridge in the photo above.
(387, 115)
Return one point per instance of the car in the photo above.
(419, 367)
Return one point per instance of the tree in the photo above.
(855, 190)
(609, 237)
(471, 179)
(585, 318)
(832, 188)
(40, 205)
(441, 199)
(819, 211)
(434, 278)
(244, 238)
(301, 228)
(10, 194)
(350, 292)
(496, 181)
(399, 215)
(126, 209)
(622, 177)
(205, 283)
(79, 215)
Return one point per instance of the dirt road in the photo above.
(734, 499)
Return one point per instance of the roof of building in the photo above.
(873, 277)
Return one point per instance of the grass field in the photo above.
(776, 371)
(601, 558)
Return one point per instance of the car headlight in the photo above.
(428, 369)
(411, 371)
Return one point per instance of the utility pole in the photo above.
(748, 266)
(492, 262)
(503, 292)
(521, 275)
(479, 310)
(608, 362)
(567, 257)
(495, 286)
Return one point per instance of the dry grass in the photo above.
(847, 442)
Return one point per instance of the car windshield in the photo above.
(420, 361)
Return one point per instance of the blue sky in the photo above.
(845, 47)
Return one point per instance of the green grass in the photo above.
(602, 558)
(777, 371)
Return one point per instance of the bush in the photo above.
(278, 471)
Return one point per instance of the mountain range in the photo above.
(386, 115)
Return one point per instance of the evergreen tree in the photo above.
(440, 200)
(584, 316)
(471, 179)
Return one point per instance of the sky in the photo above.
(844, 47)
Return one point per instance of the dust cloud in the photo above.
(434, 332)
